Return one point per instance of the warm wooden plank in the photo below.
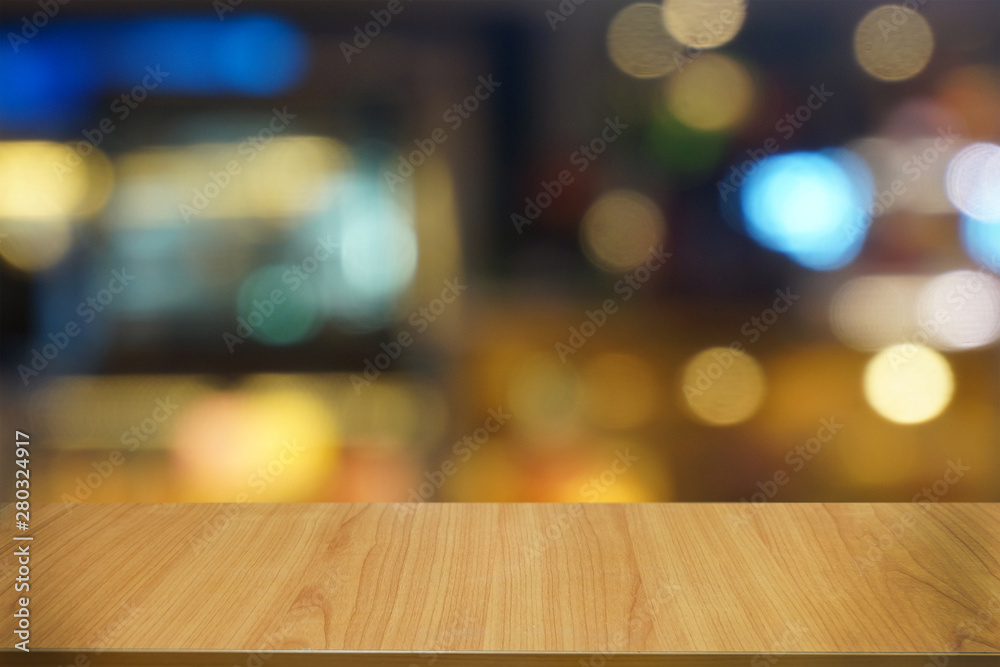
(693, 581)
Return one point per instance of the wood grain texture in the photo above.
(681, 583)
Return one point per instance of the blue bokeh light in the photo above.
(809, 206)
(58, 77)
(981, 239)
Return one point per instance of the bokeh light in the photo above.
(619, 390)
(723, 387)
(621, 229)
(908, 383)
(961, 310)
(808, 206)
(638, 43)
(973, 180)
(872, 312)
(893, 43)
(704, 24)
(713, 93)
(44, 188)
(982, 242)
(277, 305)
(265, 445)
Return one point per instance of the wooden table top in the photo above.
(693, 581)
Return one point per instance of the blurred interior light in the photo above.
(872, 312)
(893, 43)
(42, 180)
(621, 229)
(638, 43)
(44, 187)
(810, 206)
(961, 310)
(973, 180)
(261, 445)
(723, 387)
(704, 24)
(275, 181)
(619, 390)
(982, 242)
(908, 383)
(712, 93)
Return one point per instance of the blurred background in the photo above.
(502, 251)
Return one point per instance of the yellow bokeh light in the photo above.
(893, 43)
(908, 384)
(285, 178)
(260, 445)
(713, 93)
(621, 230)
(42, 180)
(638, 43)
(723, 387)
(44, 187)
(35, 245)
(619, 391)
(704, 23)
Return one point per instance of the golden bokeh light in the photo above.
(704, 24)
(44, 188)
(893, 43)
(42, 180)
(713, 93)
(723, 387)
(908, 384)
(255, 446)
(638, 43)
(619, 391)
(35, 245)
(621, 230)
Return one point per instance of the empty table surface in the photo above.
(435, 584)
